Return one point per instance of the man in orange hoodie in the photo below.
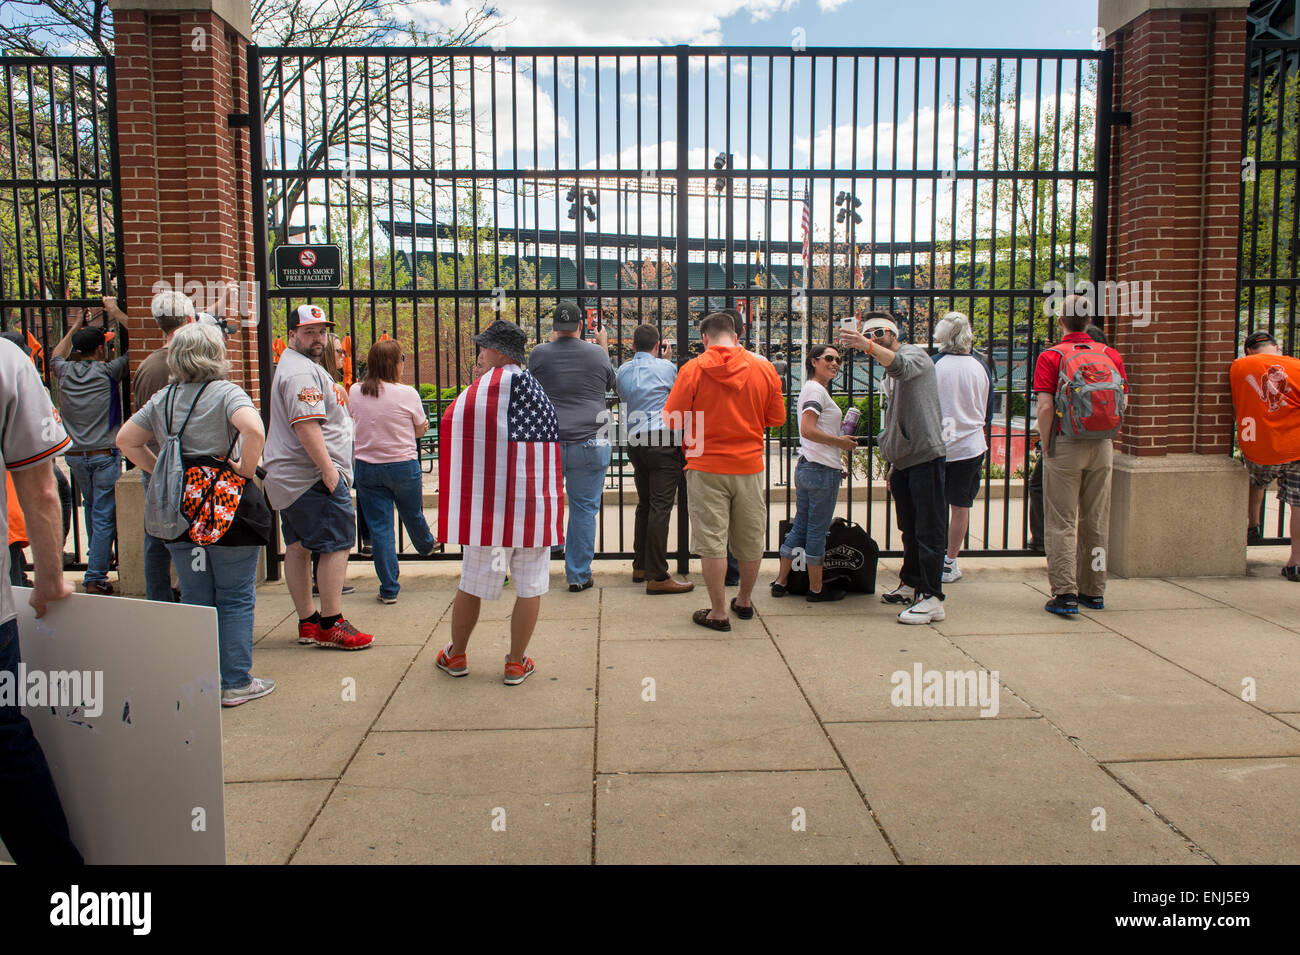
(722, 401)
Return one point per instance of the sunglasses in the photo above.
(831, 358)
(878, 333)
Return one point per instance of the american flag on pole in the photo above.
(807, 234)
(499, 477)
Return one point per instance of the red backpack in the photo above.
(1090, 397)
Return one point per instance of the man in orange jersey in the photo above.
(1266, 402)
(722, 401)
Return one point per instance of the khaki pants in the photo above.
(1076, 504)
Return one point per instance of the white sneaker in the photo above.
(902, 594)
(925, 610)
(255, 689)
(951, 571)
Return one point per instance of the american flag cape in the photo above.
(499, 477)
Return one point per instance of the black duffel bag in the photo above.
(849, 564)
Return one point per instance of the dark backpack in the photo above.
(849, 564)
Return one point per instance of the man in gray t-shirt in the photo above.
(308, 462)
(576, 375)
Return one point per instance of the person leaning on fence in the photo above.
(91, 405)
(723, 400)
(390, 421)
(1266, 403)
(912, 442)
(171, 310)
(655, 450)
(308, 474)
(218, 428)
(33, 827)
(966, 401)
(576, 375)
(499, 496)
(1081, 386)
(817, 476)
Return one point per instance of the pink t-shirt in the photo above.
(385, 426)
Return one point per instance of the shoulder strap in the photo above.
(189, 415)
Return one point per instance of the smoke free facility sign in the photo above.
(308, 266)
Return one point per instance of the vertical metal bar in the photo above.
(1099, 269)
(683, 252)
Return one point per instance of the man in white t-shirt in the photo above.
(965, 390)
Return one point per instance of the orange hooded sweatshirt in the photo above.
(722, 401)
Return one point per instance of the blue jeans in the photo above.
(157, 562)
(97, 477)
(816, 490)
(584, 467)
(32, 825)
(225, 578)
(379, 488)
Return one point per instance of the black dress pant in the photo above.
(922, 509)
(657, 472)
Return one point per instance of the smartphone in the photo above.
(850, 322)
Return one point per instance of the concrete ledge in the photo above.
(1113, 15)
(237, 13)
(1178, 515)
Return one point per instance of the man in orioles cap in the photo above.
(309, 479)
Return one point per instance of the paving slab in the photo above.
(405, 623)
(1271, 597)
(1240, 811)
(848, 675)
(272, 609)
(728, 818)
(306, 729)
(997, 608)
(265, 821)
(1291, 718)
(557, 603)
(1122, 702)
(560, 693)
(1125, 595)
(413, 798)
(716, 707)
(998, 792)
(1224, 646)
(629, 614)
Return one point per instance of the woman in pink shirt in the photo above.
(389, 422)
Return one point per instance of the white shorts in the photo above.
(483, 570)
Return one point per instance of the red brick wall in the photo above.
(185, 178)
(1175, 180)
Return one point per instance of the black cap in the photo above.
(17, 339)
(88, 340)
(567, 317)
(1255, 339)
(506, 337)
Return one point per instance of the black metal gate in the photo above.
(1268, 273)
(60, 211)
(654, 184)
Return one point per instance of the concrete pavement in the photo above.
(1164, 729)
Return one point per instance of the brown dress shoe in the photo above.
(638, 576)
(104, 590)
(669, 586)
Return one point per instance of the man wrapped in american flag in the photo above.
(500, 495)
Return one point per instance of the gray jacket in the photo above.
(913, 432)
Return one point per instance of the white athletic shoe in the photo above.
(951, 571)
(902, 594)
(256, 689)
(925, 610)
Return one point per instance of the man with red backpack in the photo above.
(1082, 393)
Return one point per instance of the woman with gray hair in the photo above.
(965, 399)
(213, 417)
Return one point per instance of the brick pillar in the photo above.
(185, 188)
(1178, 498)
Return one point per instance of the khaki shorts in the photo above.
(727, 507)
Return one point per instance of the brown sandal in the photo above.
(701, 617)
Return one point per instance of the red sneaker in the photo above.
(308, 631)
(516, 673)
(456, 665)
(344, 636)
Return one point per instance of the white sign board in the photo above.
(134, 738)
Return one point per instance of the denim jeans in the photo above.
(816, 491)
(225, 578)
(584, 464)
(157, 562)
(32, 825)
(379, 488)
(922, 509)
(97, 478)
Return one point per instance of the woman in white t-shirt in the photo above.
(818, 474)
(964, 392)
(389, 422)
